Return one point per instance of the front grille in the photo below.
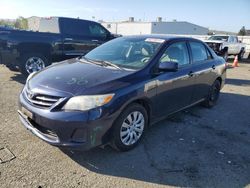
(41, 100)
(214, 46)
(46, 131)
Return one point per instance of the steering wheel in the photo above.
(145, 59)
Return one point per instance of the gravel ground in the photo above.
(198, 147)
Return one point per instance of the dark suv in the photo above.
(112, 94)
(57, 39)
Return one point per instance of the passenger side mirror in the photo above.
(168, 66)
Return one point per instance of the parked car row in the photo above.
(63, 38)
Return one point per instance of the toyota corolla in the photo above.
(116, 91)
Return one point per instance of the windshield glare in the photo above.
(224, 38)
(132, 53)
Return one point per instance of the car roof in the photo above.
(161, 36)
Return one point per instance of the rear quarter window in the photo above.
(75, 27)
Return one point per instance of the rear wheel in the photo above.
(213, 95)
(129, 127)
(32, 62)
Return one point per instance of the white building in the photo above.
(33, 23)
(132, 27)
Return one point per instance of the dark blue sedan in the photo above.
(116, 91)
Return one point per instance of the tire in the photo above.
(225, 55)
(40, 62)
(12, 68)
(213, 95)
(124, 135)
(240, 55)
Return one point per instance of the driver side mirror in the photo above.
(168, 66)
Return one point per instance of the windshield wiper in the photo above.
(87, 60)
(107, 63)
(101, 62)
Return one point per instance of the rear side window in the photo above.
(199, 51)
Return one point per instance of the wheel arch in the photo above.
(225, 49)
(219, 79)
(142, 101)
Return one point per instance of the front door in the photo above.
(175, 89)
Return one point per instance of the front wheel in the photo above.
(213, 95)
(129, 127)
(225, 55)
(240, 55)
(32, 62)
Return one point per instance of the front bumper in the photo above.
(76, 129)
(215, 47)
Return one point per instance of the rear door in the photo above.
(77, 37)
(175, 89)
(203, 68)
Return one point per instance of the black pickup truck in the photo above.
(57, 39)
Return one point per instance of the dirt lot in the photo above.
(198, 147)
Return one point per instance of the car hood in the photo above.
(75, 77)
(213, 41)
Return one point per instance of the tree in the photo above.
(242, 31)
(21, 23)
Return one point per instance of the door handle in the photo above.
(191, 73)
(68, 39)
(95, 40)
(213, 67)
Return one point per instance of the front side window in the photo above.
(176, 52)
(132, 53)
(198, 51)
(230, 39)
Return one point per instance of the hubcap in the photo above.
(34, 64)
(132, 128)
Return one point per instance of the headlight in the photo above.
(220, 46)
(87, 102)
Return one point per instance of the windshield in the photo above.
(224, 38)
(132, 53)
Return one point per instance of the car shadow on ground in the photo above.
(18, 77)
(197, 147)
(238, 82)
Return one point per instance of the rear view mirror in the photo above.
(168, 66)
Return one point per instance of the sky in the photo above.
(226, 15)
